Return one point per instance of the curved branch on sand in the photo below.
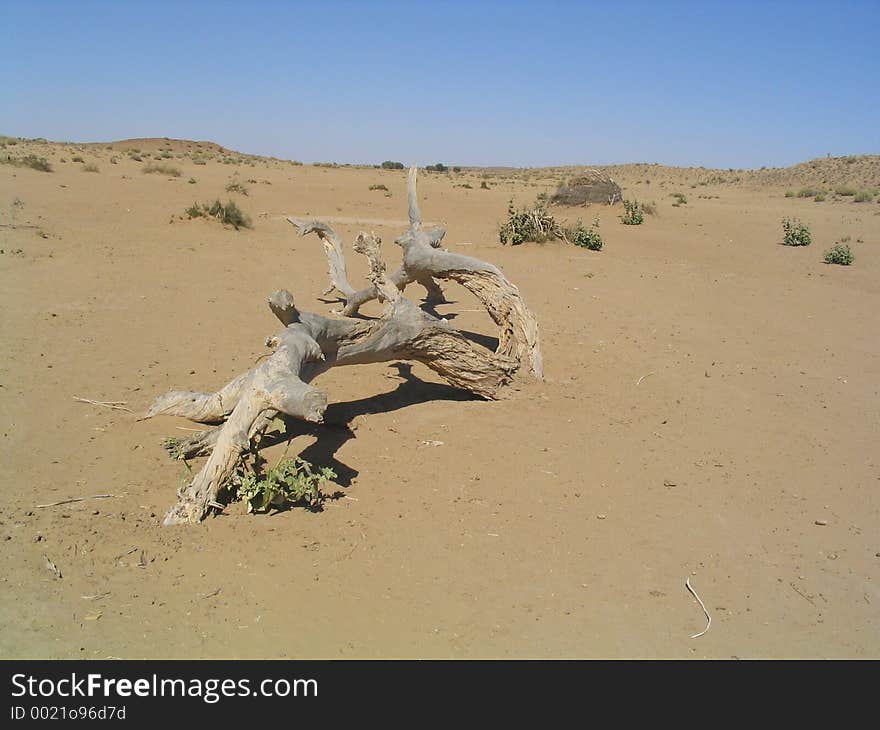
(310, 344)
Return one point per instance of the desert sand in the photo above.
(710, 412)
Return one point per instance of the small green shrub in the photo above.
(632, 215)
(159, 169)
(439, 167)
(680, 198)
(585, 236)
(839, 253)
(529, 224)
(378, 187)
(795, 233)
(484, 185)
(789, 193)
(90, 167)
(390, 165)
(819, 198)
(844, 191)
(863, 197)
(289, 482)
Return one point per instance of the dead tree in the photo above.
(424, 262)
(310, 344)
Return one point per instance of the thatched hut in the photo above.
(591, 186)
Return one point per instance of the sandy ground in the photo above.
(562, 521)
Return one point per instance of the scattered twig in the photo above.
(75, 499)
(96, 596)
(211, 594)
(116, 405)
(51, 566)
(127, 552)
(642, 378)
(687, 584)
(184, 428)
(802, 595)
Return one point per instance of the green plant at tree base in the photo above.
(633, 215)
(795, 233)
(290, 482)
(839, 253)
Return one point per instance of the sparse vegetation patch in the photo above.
(161, 169)
(229, 214)
(839, 253)
(795, 233)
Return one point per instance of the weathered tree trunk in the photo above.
(310, 344)
(424, 262)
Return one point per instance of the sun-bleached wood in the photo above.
(310, 344)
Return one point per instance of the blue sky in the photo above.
(718, 84)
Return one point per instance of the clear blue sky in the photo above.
(719, 84)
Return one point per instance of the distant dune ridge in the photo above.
(861, 171)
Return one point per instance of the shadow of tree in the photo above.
(336, 429)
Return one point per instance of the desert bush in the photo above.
(466, 186)
(160, 169)
(819, 198)
(529, 224)
(585, 236)
(795, 233)
(192, 181)
(844, 191)
(439, 167)
(77, 158)
(863, 197)
(40, 164)
(390, 165)
(90, 167)
(680, 199)
(789, 193)
(229, 214)
(839, 253)
(199, 161)
(484, 185)
(236, 187)
(808, 192)
(632, 215)
(456, 169)
(378, 187)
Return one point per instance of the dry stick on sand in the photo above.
(116, 405)
(75, 499)
(687, 584)
(642, 378)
